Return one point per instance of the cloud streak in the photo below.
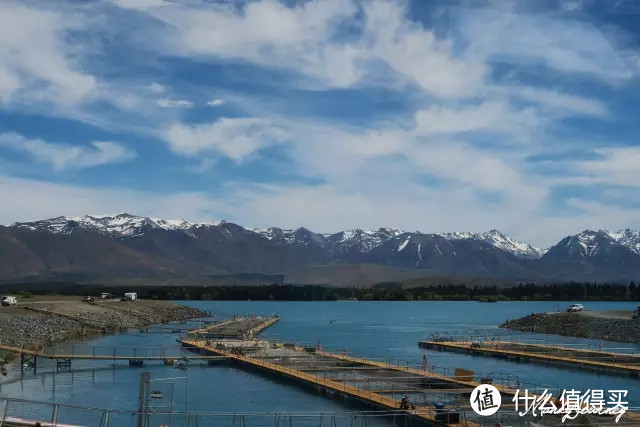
(374, 112)
(63, 156)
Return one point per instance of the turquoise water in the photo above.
(383, 330)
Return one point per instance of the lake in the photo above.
(375, 330)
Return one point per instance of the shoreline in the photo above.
(37, 323)
(615, 326)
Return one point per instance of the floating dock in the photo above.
(135, 357)
(72, 356)
(594, 360)
(375, 383)
(236, 328)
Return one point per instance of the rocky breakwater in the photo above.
(37, 325)
(611, 326)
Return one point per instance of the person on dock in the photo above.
(424, 363)
(404, 403)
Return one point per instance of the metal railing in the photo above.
(22, 412)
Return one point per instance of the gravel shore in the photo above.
(33, 328)
(594, 325)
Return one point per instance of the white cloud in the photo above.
(492, 116)
(478, 169)
(416, 53)
(234, 138)
(303, 38)
(156, 87)
(62, 156)
(35, 61)
(174, 103)
(322, 208)
(573, 46)
(615, 165)
(562, 103)
(375, 171)
(140, 4)
(33, 200)
(9, 83)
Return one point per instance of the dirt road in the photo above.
(608, 314)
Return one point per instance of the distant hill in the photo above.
(133, 248)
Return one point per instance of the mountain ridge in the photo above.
(129, 225)
(129, 245)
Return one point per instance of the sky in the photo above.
(429, 116)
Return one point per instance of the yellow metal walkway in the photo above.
(43, 355)
(601, 361)
(425, 414)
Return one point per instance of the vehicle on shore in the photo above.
(573, 308)
(106, 295)
(88, 300)
(129, 296)
(9, 301)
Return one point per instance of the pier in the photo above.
(378, 384)
(594, 360)
(435, 397)
(135, 356)
(237, 327)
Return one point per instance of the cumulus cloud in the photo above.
(440, 118)
(63, 156)
(36, 64)
(304, 38)
(233, 138)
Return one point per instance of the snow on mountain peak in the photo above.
(588, 240)
(500, 241)
(120, 225)
(365, 240)
(124, 225)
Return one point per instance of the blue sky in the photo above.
(332, 114)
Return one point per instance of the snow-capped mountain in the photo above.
(130, 245)
(628, 238)
(590, 244)
(300, 236)
(121, 225)
(127, 226)
(363, 240)
(500, 241)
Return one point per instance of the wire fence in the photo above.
(21, 412)
(28, 413)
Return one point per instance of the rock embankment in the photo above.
(581, 325)
(41, 324)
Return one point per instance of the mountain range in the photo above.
(124, 246)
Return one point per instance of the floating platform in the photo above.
(73, 356)
(375, 383)
(594, 360)
(240, 327)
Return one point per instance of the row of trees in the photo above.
(573, 291)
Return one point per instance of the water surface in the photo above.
(376, 330)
